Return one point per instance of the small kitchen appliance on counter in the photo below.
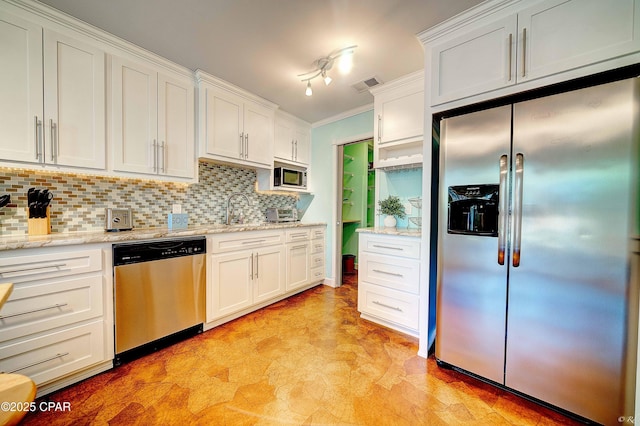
(280, 215)
(118, 220)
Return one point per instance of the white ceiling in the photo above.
(262, 45)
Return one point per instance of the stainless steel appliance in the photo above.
(118, 220)
(541, 303)
(289, 178)
(159, 291)
(280, 215)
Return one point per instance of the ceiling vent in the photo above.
(365, 85)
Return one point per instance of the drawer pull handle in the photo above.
(298, 235)
(318, 260)
(395, 308)
(39, 362)
(31, 268)
(253, 242)
(297, 247)
(387, 247)
(388, 273)
(59, 305)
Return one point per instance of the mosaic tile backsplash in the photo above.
(79, 201)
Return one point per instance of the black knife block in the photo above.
(40, 225)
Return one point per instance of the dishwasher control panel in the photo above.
(148, 251)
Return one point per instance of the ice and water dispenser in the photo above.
(473, 210)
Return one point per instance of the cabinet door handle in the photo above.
(379, 127)
(524, 52)
(246, 141)
(388, 273)
(388, 247)
(395, 308)
(53, 136)
(251, 266)
(242, 145)
(163, 148)
(31, 268)
(56, 356)
(253, 241)
(296, 158)
(154, 146)
(510, 54)
(58, 305)
(38, 137)
(292, 154)
(257, 254)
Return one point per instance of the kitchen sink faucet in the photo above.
(230, 212)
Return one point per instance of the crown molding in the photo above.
(472, 14)
(64, 20)
(343, 115)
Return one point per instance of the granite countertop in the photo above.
(406, 232)
(66, 239)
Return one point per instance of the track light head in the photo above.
(322, 65)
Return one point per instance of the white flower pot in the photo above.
(390, 221)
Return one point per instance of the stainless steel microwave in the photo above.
(289, 178)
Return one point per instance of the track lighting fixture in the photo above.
(323, 65)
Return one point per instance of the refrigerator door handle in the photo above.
(517, 209)
(502, 208)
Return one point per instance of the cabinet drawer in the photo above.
(317, 233)
(242, 240)
(293, 235)
(31, 267)
(317, 246)
(317, 260)
(55, 355)
(317, 274)
(35, 308)
(391, 245)
(393, 272)
(391, 305)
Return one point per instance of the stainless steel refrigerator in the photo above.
(537, 205)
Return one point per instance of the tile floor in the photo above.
(308, 360)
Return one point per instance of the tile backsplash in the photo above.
(80, 200)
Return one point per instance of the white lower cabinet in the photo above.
(298, 266)
(316, 263)
(57, 325)
(269, 273)
(389, 281)
(252, 269)
(230, 284)
(244, 269)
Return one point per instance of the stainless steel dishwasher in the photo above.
(159, 294)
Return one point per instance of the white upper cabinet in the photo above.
(557, 35)
(152, 121)
(476, 62)
(176, 126)
(516, 42)
(292, 139)
(234, 126)
(398, 125)
(21, 104)
(52, 109)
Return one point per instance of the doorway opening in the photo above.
(355, 203)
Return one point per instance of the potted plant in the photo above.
(392, 207)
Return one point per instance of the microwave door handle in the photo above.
(517, 210)
(502, 208)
